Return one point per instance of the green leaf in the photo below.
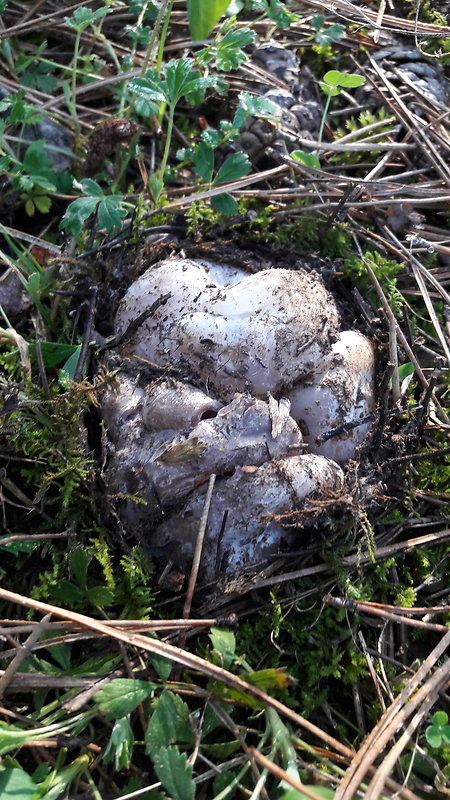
(53, 353)
(234, 167)
(161, 665)
(111, 212)
(71, 364)
(169, 724)
(224, 643)
(317, 22)
(82, 17)
(155, 184)
(224, 204)
(229, 53)
(347, 80)
(121, 696)
(203, 15)
(150, 87)
(174, 773)
(433, 736)
(331, 34)
(68, 593)
(269, 679)
(256, 106)
(43, 204)
(309, 159)
(77, 213)
(79, 561)
(92, 188)
(183, 81)
(120, 745)
(320, 791)
(203, 160)
(329, 90)
(404, 371)
(100, 596)
(440, 718)
(16, 785)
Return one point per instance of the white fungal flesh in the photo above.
(259, 335)
(172, 404)
(276, 332)
(239, 531)
(339, 393)
(161, 469)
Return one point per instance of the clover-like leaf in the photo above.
(347, 80)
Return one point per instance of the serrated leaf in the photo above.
(169, 724)
(79, 561)
(78, 212)
(120, 745)
(121, 696)
(203, 160)
(309, 159)
(234, 167)
(258, 106)
(100, 596)
(203, 15)
(15, 784)
(92, 188)
(174, 773)
(224, 643)
(150, 88)
(229, 53)
(110, 212)
(224, 204)
(317, 22)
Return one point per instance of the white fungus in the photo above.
(269, 355)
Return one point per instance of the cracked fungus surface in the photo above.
(268, 373)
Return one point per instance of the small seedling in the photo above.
(332, 83)
(438, 733)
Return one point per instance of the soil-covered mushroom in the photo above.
(241, 342)
(240, 532)
(259, 335)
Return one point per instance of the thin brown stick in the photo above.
(22, 653)
(281, 774)
(197, 555)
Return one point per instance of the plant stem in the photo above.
(76, 50)
(324, 116)
(162, 168)
(151, 45)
